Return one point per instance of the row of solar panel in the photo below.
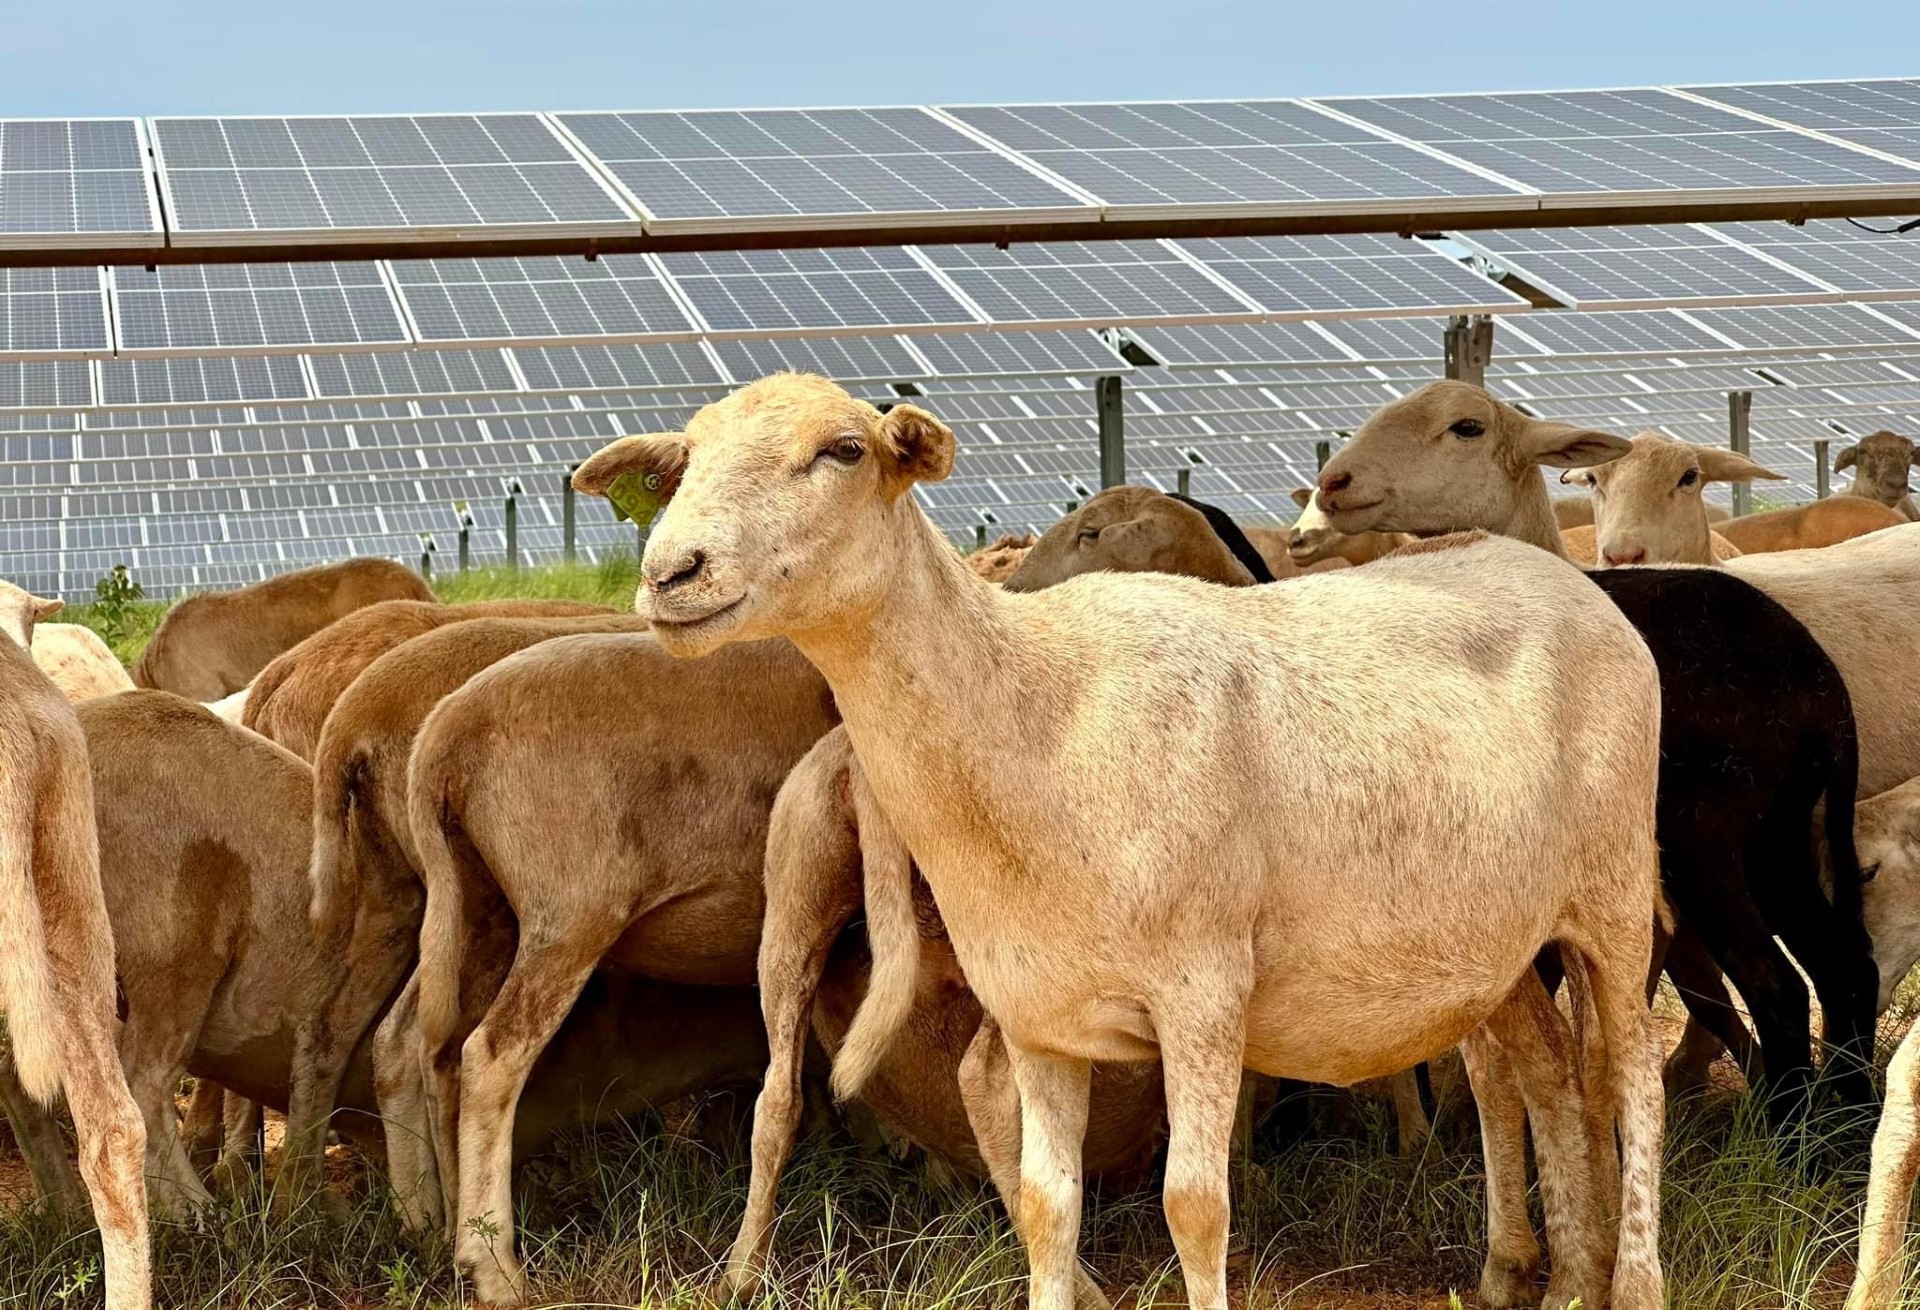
(343, 178)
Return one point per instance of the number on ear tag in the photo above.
(635, 496)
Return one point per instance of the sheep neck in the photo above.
(1532, 520)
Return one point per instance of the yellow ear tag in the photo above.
(635, 496)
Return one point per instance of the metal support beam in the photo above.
(1184, 481)
(1322, 452)
(426, 557)
(566, 514)
(1739, 439)
(1469, 348)
(466, 542)
(513, 529)
(1111, 410)
(1822, 468)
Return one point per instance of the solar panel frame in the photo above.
(121, 190)
(199, 174)
(649, 168)
(1140, 164)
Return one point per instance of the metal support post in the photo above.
(566, 514)
(1822, 468)
(1739, 434)
(1113, 449)
(1185, 481)
(1468, 348)
(1322, 452)
(513, 528)
(466, 542)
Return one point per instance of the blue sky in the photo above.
(325, 56)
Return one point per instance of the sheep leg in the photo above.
(1544, 1062)
(112, 1142)
(794, 943)
(1896, 1163)
(1411, 1124)
(155, 1042)
(240, 1148)
(200, 1129)
(41, 1143)
(992, 1103)
(1512, 1266)
(1713, 1024)
(1054, 1091)
(1203, 1043)
(400, 1090)
(541, 987)
(1615, 962)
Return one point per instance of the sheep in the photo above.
(670, 773)
(73, 658)
(1748, 745)
(1648, 507)
(56, 973)
(997, 562)
(1117, 790)
(1880, 464)
(1313, 538)
(211, 645)
(1804, 527)
(1132, 529)
(290, 699)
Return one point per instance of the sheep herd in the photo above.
(1319, 803)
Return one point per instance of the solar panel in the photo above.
(1349, 276)
(1576, 145)
(537, 298)
(1863, 264)
(1105, 283)
(1881, 115)
(45, 383)
(1405, 340)
(231, 180)
(719, 170)
(1622, 334)
(859, 287)
(189, 307)
(1809, 327)
(665, 364)
(1228, 158)
(202, 380)
(412, 373)
(1641, 267)
(53, 311)
(1232, 345)
(1025, 355)
(76, 182)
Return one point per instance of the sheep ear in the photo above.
(1717, 465)
(660, 454)
(913, 446)
(44, 608)
(1563, 446)
(1302, 496)
(1846, 459)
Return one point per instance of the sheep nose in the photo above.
(676, 572)
(1622, 555)
(1334, 483)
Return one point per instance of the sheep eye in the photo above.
(1868, 872)
(1468, 427)
(1086, 535)
(844, 451)
(1690, 477)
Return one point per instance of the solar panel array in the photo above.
(211, 424)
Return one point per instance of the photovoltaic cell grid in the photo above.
(203, 380)
(53, 311)
(507, 300)
(1881, 115)
(1641, 267)
(412, 373)
(201, 307)
(1863, 264)
(706, 171)
(1347, 276)
(75, 181)
(1111, 282)
(775, 291)
(229, 180)
(1575, 144)
(1224, 157)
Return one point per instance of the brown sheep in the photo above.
(211, 645)
(73, 658)
(997, 562)
(290, 699)
(1880, 465)
(1131, 529)
(1807, 527)
(56, 971)
(667, 780)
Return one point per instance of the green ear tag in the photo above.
(635, 496)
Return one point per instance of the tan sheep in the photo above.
(73, 658)
(211, 645)
(1880, 465)
(1806, 527)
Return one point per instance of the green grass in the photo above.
(640, 1216)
